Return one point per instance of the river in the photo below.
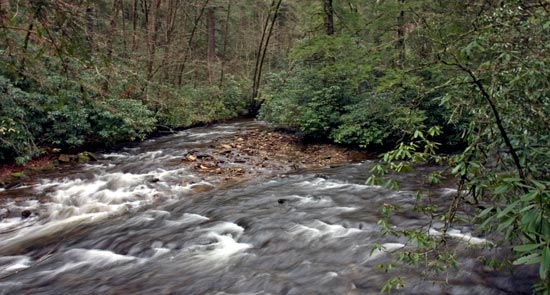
(134, 223)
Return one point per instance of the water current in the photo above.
(132, 223)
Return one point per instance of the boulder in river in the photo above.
(25, 214)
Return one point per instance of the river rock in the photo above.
(63, 158)
(83, 158)
(25, 214)
(17, 175)
(199, 188)
(190, 158)
(91, 156)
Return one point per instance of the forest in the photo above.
(461, 84)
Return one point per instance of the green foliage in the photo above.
(65, 119)
(68, 79)
(196, 105)
(116, 120)
(497, 79)
(377, 119)
(341, 91)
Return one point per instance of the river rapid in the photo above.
(134, 222)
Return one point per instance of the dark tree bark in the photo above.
(4, 8)
(400, 44)
(270, 33)
(262, 50)
(134, 24)
(152, 36)
(117, 6)
(123, 18)
(225, 40)
(211, 50)
(187, 51)
(329, 17)
(259, 53)
(90, 9)
(170, 25)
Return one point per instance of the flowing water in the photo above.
(132, 223)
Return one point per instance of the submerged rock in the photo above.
(25, 214)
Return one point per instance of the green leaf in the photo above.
(529, 259)
(506, 224)
(545, 263)
(526, 248)
(529, 196)
(502, 189)
(485, 212)
(539, 185)
(506, 210)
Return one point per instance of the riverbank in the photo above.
(261, 152)
(232, 159)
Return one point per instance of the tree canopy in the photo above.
(461, 84)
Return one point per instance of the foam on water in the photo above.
(192, 218)
(13, 223)
(225, 228)
(102, 193)
(187, 218)
(84, 258)
(457, 234)
(314, 201)
(71, 266)
(385, 248)
(159, 252)
(98, 257)
(224, 237)
(210, 133)
(467, 237)
(225, 247)
(319, 229)
(151, 155)
(25, 236)
(10, 264)
(345, 209)
(115, 155)
(334, 230)
(325, 184)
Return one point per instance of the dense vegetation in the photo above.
(418, 75)
(80, 73)
(408, 77)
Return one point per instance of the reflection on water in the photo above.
(131, 224)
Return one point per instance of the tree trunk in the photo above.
(259, 53)
(329, 17)
(260, 63)
(400, 44)
(225, 40)
(124, 44)
(190, 42)
(211, 29)
(134, 24)
(4, 8)
(90, 26)
(170, 25)
(117, 4)
(152, 36)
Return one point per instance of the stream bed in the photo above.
(135, 222)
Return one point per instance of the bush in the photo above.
(339, 91)
(116, 120)
(196, 105)
(67, 119)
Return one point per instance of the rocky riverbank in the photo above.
(246, 155)
(260, 152)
